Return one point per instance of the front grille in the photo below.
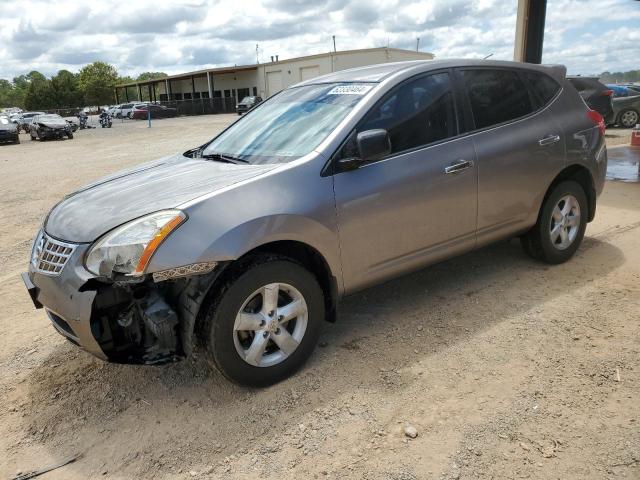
(50, 255)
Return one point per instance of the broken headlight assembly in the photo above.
(126, 250)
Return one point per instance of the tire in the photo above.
(69, 135)
(33, 137)
(17, 140)
(628, 118)
(228, 344)
(557, 235)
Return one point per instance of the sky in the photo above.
(589, 36)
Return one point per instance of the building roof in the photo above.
(368, 73)
(238, 68)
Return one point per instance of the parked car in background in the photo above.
(247, 103)
(634, 89)
(622, 91)
(626, 111)
(8, 130)
(49, 125)
(596, 95)
(343, 181)
(24, 120)
(126, 109)
(11, 111)
(141, 112)
(113, 110)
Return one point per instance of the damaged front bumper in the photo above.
(130, 321)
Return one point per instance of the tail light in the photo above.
(597, 119)
(607, 93)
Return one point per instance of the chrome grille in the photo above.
(50, 255)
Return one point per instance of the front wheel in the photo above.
(561, 224)
(264, 322)
(70, 135)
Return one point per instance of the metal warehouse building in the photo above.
(217, 90)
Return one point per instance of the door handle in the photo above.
(458, 166)
(548, 140)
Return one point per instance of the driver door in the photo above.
(417, 205)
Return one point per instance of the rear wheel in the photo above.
(561, 224)
(628, 118)
(264, 322)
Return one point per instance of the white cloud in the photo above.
(174, 36)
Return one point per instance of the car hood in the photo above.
(99, 207)
(53, 123)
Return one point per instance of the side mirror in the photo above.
(373, 144)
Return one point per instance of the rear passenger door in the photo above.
(519, 148)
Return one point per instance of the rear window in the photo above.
(544, 87)
(496, 96)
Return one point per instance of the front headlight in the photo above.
(128, 248)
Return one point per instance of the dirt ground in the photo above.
(506, 368)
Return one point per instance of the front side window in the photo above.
(496, 96)
(415, 114)
(288, 125)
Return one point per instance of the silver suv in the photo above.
(338, 183)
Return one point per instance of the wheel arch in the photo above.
(581, 175)
(196, 297)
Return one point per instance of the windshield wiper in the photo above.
(218, 157)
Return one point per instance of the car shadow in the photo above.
(74, 402)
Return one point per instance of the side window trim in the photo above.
(331, 167)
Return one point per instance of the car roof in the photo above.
(378, 73)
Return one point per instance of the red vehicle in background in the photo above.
(141, 112)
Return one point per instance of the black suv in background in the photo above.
(596, 95)
(247, 103)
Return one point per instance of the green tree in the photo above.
(40, 94)
(96, 82)
(66, 90)
(151, 76)
(10, 94)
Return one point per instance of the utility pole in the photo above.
(418, 44)
(334, 43)
(257, 59)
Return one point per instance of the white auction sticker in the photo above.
(350, 90)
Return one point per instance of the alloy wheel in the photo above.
(565, 222)
(629, 118)
(270, 325)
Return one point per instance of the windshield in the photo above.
(48, 117)
(247, 99)
(288, 125)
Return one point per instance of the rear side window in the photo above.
(578, 84)
(417, 113)
(543, 86)
(496, 96)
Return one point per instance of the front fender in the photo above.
(290, 204)
(190, 245)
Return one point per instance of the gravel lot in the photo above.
(505, 368)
